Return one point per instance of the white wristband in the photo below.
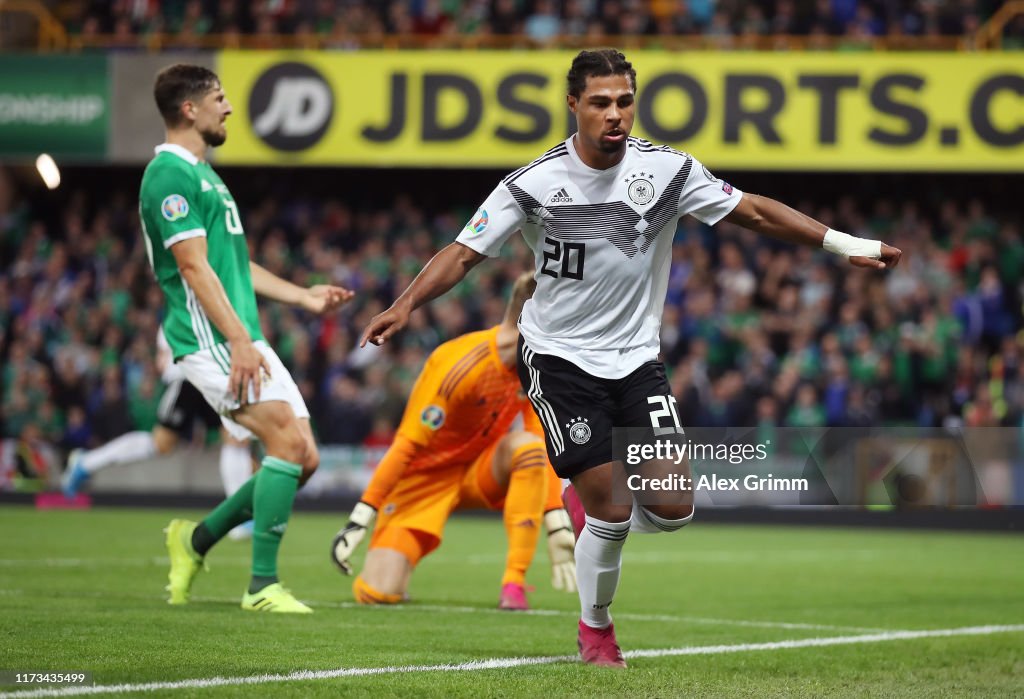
(557, 519)
(363, 514)
(850, 246)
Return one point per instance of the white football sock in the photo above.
(235, 467)
(134, 446)
(598, 561)
(644, 521)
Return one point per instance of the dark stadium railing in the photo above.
(28, 24)
(990, 34)
(159, 42)
(27, 18)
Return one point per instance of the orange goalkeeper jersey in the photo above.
(464, 401)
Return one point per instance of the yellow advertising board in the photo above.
(741, 111)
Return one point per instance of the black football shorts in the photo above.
(181, 405)
(579, 410)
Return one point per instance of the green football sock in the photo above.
(226, 516)
(276, 484)
(258, 582)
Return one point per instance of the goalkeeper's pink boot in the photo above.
(599, 647)
(513, 598)
(574, 507)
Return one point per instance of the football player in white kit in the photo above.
(599, 212)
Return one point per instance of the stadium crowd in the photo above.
(350, 23)
(753, 333)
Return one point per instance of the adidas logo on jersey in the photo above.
(561, 197)
(206, 186)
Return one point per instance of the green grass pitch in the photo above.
(83, 591)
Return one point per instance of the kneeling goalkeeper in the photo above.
(456, 449)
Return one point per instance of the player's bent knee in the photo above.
(675, 516)
(291, 445)
(164, 440)
(599, 504)
(517, 446)
(607, 512)
(520, 439)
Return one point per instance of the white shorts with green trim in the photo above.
(209, 371)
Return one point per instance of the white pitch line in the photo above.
(504, 663)
(833, 641)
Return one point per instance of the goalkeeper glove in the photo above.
(561, 545)
(346, 540)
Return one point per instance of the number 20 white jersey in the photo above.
(602, 242)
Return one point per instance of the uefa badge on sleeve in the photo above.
(478, 223)
(174, 207)
(433, 417)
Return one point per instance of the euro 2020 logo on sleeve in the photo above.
(291, 106)
(174, 207)
(478, 223)
(433, 417)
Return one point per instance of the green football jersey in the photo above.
(182, 197)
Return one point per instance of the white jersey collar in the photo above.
(180, 151)
(571, 147)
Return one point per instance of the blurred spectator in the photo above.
(543, 25)
(347, 418)
(505, 18)
(108, 411)
(430, 19)
(806, 411)
(700, 11)
(576, 18)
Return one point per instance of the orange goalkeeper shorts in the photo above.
(413, 516)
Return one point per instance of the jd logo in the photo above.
(291, 106)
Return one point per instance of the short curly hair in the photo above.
(598, 63)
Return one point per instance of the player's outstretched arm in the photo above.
(246, 360)
(445, 270)
(775, 219)
(319, 299)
